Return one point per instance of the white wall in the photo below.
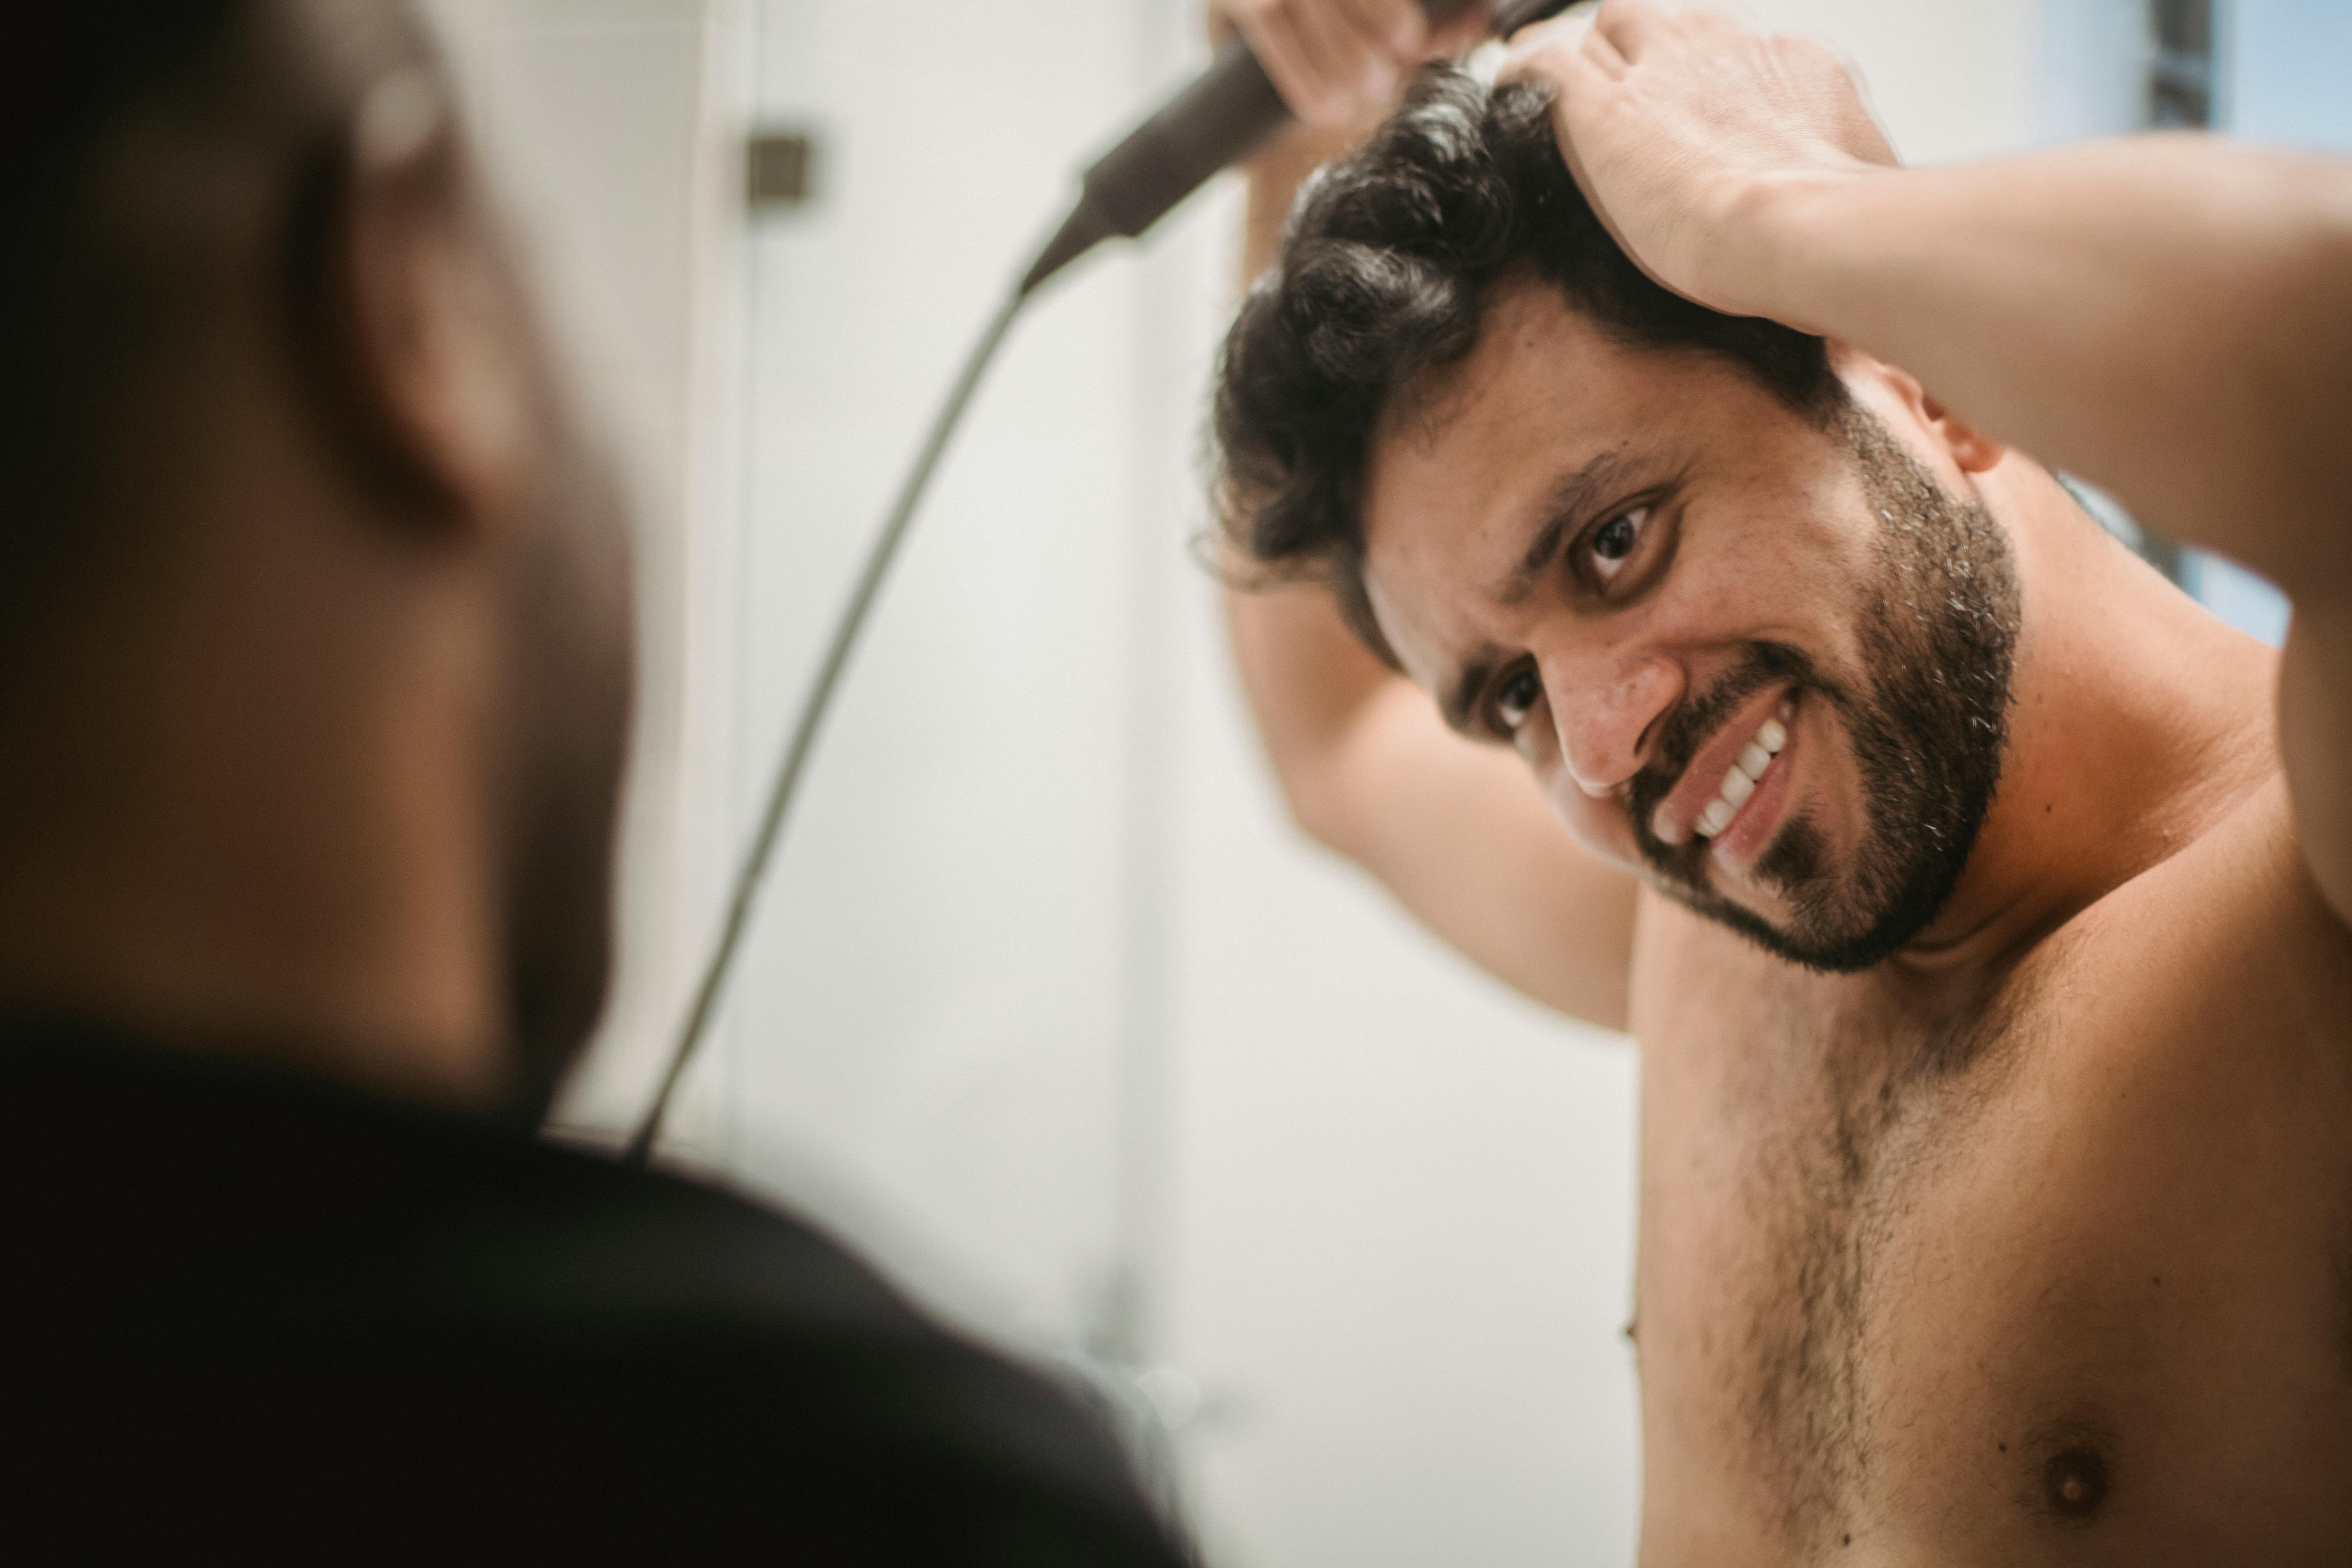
(2285, 67)
(926, 1041)
(1049, 1007)
(1948, 80)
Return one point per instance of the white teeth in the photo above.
(1739, 782)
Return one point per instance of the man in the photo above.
(314, 668)
(1978, 902)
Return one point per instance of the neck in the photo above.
(2138, 721)
(236, 834)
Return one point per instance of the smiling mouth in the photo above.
(1739, 781)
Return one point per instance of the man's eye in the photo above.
(1615, 541)
(1516, 699)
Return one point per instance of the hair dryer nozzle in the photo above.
(1087, 226)
(1226, 111)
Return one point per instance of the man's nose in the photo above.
(1609, 718)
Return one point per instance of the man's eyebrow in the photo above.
(1458, 701)
(1570, 503)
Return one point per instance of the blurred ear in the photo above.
(425, 334)
(1974, 451)
(1971, 449)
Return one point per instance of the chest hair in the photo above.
(1845, 1092)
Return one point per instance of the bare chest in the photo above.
(1938, 1281)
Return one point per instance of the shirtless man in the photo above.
(1978, 902)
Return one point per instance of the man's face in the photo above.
(1763, 664)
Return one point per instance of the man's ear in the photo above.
(1971, 449)
(426, 338)
(1974, 451)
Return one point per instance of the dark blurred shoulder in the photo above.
(258, 1302)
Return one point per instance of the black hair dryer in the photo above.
(1221, 117)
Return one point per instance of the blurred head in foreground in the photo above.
(1676, 559)
(314, 644)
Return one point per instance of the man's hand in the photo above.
(1678, 126)
(1340, 64)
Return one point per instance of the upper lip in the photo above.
(1677, 815)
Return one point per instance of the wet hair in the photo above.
(1388, 263)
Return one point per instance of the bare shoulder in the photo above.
(2226, 945)
(2193, 1030)
(2212, 991)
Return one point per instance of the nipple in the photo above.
(2076, 1483)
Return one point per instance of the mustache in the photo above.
(1688, 729)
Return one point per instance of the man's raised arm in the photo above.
(2168, 316)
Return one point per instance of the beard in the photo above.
(1939, 636)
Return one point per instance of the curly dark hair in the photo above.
(1386, 264)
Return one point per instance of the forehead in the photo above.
(1460, 470)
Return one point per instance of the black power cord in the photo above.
(811, 717)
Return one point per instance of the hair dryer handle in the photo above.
(1223, 116)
